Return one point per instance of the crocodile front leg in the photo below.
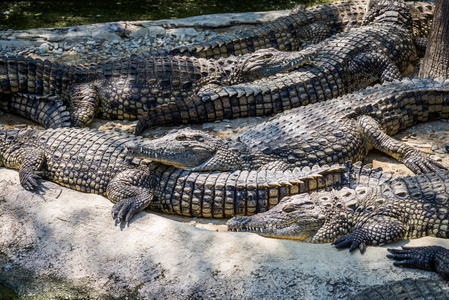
(131, 192)
(32, 169)
(415, 160)
(432, 258)
(378, 231)
(29, 161)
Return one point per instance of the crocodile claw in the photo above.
(414, 257)
(351, 241)
(419, 162)
(125, 209)
(30, 182)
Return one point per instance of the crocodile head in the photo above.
(266, 62)
(299, 217)
(189, 149)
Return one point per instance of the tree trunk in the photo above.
(436, 59)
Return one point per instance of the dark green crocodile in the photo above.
(299, 28)
(380, 50)
(400, 208)
(335, 131)
(95, 161)
(127, 87)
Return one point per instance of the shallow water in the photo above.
(49, 13)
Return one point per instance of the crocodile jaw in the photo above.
(180, 157)
(293, 229)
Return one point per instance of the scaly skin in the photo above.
(300, 28)
(226, 194)
(289, 33)
(431, 258)
(401, 208)
(342, 129)
(90, 161)
(406, 289)
(379, 51)
(126, 88)
(94, 161)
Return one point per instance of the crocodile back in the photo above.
(84, 160)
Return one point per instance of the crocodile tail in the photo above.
(47, 111)
(19, 74)
(165, 114)
(225, 194)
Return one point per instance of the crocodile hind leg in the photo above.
(432, 258)
(84, 104)
(131, 192)
(415, 160)
(48, 111)
(369, 68)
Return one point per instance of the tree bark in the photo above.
(436, 59)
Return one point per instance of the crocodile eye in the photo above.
(288, 208)
(181, 137)
(199, 138)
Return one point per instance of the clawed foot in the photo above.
(29, 182)
(414, 257)
(352, 241)
(125, 209)
(419, 162)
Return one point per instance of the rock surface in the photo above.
(60, 243)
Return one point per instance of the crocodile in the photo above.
(400, 208)
(381, 50)
(289, 33)
(335, 131)
(125, 88)
(300, 28)
(95, 161)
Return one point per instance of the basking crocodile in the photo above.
(127, 87)
(95, 161)
(409, 207)
(335, 131)
(379, 51)
(288, 33)
(300, 28)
